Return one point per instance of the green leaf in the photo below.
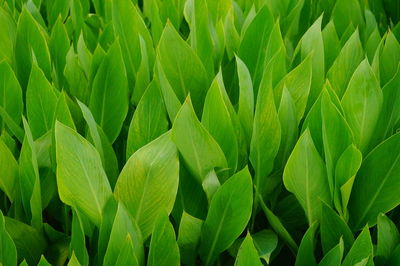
(7, 35)
(109, 98)
(188, 237)
(246, 99)
(41, 102)
(184, 71)
(388, 238)
(247, 254)
(333, 229)
(129, 25)
(298, 83)
(82, 182)
(336, 137)
(59, 46)
(334, 256)
(266, 135)
(8, 172)
(227, 217)
(254, 42)
(172, 103)
(30, 243)
(8, 252)
(31, 45)
(373, 191)
(389, 60)
(312, 43)
(305, 177)
(102, 144)
(163, 246)
(29, 182)
(362, 249)
(345, 13)
(10, 94)
(126, 256)
(218, 122)
(345, 64)
(124, 226)
(305, 255)
(362, 103)
(43, 262)
(149, 182)
(77, 246)
(289, 128)
(265, 242)
(199, 150)
(149, 120)
(346, 169)
(332, 45)
(390, 112)
(278, 227)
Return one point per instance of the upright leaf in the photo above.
(10, 94)
(122, 227)
(361, 250)
(8, 172)
(345, 64)
(247, 254)
(388, 238)
(184, 71)
(362, 103)
(149, 120)
(218, 122)
(254, 42)
(266, 135)
(188, 237)
(41, 102)
(149, 182)
(227, 217)
(305, 255)
(305, 177)
(82, 182)
(109, 98)
(199, 150)
(31, 41)
(8, 252)
(163, 246)
(29, 182)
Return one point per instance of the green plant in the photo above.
(199, 132)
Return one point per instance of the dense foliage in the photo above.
(199, 132)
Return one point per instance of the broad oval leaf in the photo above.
(149, 182)
(228, 215)
(82, 182)
(305, 176)
(362, 104)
